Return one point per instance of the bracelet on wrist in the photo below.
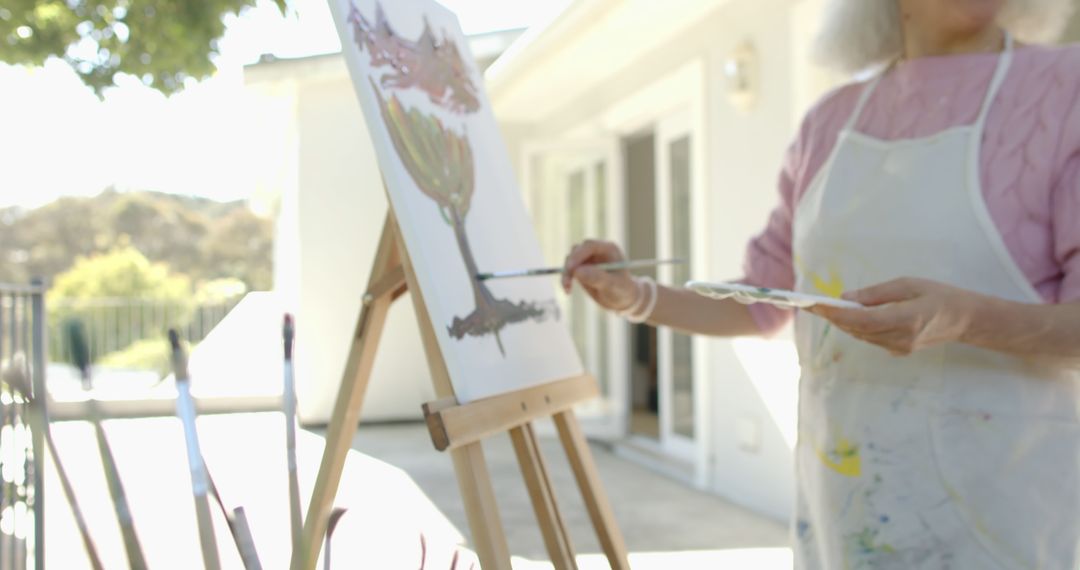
(652, 293)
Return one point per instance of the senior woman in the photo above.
(939, 427)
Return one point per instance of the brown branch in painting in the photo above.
(433, 65)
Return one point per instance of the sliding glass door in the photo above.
(674, 144)
(572, 197)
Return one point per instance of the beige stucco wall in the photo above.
(745, 149)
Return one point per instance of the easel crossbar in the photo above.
(452, 425)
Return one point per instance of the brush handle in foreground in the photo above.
(69, 494)
(295, 516)
(136, 560)
(609, 266)
(185, 409)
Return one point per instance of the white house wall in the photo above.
(590, 46)
(745, 152)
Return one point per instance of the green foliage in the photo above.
(162, 42)
(121, 273)
(220, 291)
(233, 242)
(200, 238)
(47, 240)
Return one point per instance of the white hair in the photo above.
(858, 34)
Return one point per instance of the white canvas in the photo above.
(452, 188)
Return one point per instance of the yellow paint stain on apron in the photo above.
(834, 287)
(843, 459)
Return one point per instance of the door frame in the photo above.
(676, 102)
(603, 417)
(683, 91)
(669, 130)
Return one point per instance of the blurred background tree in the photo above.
(161, 42)
(123, 272)
(202, 239)
(234, 244)
(131, 265)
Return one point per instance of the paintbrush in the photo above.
(238, 527)
(335, 517)
(80, 357)
(288, 333)
(611, 266)
(16, 375)
(185, 410)
(236, 518)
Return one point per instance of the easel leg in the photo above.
(477, 493)
(556, 538)
(347, 406)
(592, 491)
(473, 477)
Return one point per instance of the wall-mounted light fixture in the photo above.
(741, 76)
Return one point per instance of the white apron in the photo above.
(954, 457)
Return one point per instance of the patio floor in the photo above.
(665, 523)
(396, 489)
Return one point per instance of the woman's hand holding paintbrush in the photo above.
(602, 270)
(675, 307)
(612, 290)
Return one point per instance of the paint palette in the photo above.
(748, 294)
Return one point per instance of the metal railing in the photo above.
(115, 324)
(22, 418)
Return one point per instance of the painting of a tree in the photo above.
(439, 160)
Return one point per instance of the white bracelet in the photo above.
(653, 295)
(639, 300)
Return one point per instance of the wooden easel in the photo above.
(459, 429)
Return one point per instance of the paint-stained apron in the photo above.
(954, 457)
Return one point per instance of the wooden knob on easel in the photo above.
(368, 299)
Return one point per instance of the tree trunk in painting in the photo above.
(481, 295)
(491, 314)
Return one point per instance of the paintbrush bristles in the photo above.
(288, 333)
(79, 348)
(179, 359)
